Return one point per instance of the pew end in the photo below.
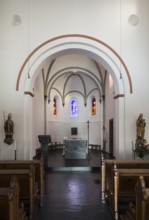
(119, 179)
(9, 201)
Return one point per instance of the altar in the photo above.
(75, 149)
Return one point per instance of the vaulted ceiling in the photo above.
(72, 68)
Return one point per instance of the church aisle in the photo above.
(73, 196)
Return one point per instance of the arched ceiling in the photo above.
(68, 69)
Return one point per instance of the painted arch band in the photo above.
(68, 36)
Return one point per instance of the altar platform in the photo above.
(57, 162)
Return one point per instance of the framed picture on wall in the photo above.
(74, 131)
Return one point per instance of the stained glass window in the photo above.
(54, 106)
(93, 106)
(74, 108)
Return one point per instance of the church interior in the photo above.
(74, 110)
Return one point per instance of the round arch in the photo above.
(91, 47)
(73, 40)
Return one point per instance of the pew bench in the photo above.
(107, 172)
(106, 178)
(26, 182)
(26, 164)
(115, 181)
(142, 198)
(9, 202)
(141, 209)
(95, 147)
(124, 185)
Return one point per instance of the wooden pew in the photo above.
(95, 147)
(141, 208)
(26, 164)
(130, 213)
(106, 178)
(9, 202)
(107, 172)
(142, 198)
(39, 177)
(124, 185)
(26, 182)
(111, 177)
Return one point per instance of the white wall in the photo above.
(61, 127)
(38, 111)
(105, 20)
(109, 107)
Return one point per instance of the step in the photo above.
(73, 169)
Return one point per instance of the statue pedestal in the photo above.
(8, 139)
(44, 141)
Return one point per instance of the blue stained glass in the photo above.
(74, 108)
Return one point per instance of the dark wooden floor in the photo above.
(73, 192)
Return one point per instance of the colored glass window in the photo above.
(54, 106)
(74, 108)
(93, 106)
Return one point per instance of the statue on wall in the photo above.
(8, 128)
(140, 140)
(140, 127)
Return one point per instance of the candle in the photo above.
(15, 145)
(133, 146)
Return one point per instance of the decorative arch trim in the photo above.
(74, 35)
(119, 96)
(29, 93)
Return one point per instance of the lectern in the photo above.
(44, 141)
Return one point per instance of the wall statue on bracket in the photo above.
(141, 142)
(8, 128)
(141, 124)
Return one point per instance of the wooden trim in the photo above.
(29, 93)
(74, 35)
(118, 96)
